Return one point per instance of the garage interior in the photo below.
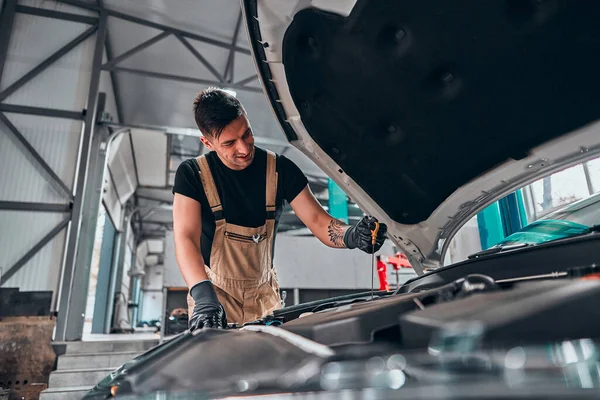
(95, 118)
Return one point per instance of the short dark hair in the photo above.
(214, 109)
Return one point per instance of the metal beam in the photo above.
(171, 130)
(46, 63)
(33, 251)
(168, 166)
(7, 18)
(588, 178)
(160, 75)
(150, 198)
(110, 64)
(190, 35)
(69, 324)
(42, 112)
(54, 178)
(230, 59)
(151, 24)
(184, 154)
(247, 80)
(200, 58)
(113, 81)
(27, 206)
(44, 12)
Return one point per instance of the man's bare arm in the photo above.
(327, 229)
(187, 226)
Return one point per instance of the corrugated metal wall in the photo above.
(63, 85)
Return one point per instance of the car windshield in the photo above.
(575, 219)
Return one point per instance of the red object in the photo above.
(399, 261)
(382, 273)
(591, 277)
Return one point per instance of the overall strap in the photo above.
(208, 183)
(271, 184)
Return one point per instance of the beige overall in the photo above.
(241, 258)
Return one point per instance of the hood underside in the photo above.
(426, 112)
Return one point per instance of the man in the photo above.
(226, 209)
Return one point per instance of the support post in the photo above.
(121, 246)
(163, 318)
(588, 178)
(114, 282)
(75, 280)
(7, 17)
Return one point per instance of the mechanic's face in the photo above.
(235, 146)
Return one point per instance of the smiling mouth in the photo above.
(246, 157)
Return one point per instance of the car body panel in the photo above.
(487, 115)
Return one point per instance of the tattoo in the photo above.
(336, 233)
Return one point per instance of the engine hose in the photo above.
(461, 288)
(476, 283)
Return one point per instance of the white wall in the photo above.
(152, 303)
(305, 263)
(153, 280)
(172, 277)
(152, 285)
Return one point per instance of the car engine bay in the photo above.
(538, 326)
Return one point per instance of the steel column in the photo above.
(40, 162)
(46, 63)
(7, 18)
(113, 282)
(42, 112)
(120, 261)
(113, 76)
(168, 166)
(588, 178)
(75, 280)
(163, 317)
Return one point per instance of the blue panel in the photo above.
(490, 226)
(104, 274)
(521, 205)
(511, 208)
(338, 202)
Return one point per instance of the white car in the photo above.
(424, 112)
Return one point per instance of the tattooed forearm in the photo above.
(336, 232)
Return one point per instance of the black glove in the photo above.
(359, 235)
(208, 312)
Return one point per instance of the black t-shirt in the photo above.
(242, 193)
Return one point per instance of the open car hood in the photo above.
(426, 112)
